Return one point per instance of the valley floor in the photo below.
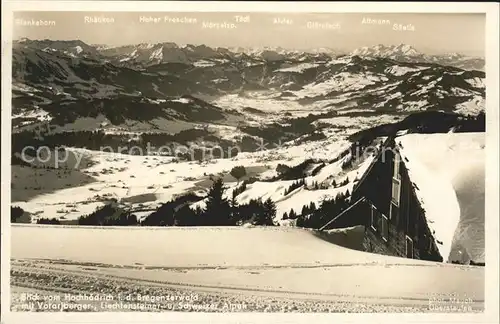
(225, 270)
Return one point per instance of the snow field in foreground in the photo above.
(264, 259)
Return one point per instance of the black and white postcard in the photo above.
(186, 160)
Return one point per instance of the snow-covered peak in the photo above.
(407, 53)
(157, 54)
(269, 55)
(187, 47)
(386, 51)
(145, 45)
(406, 49)
(169, 45)
(455, 56)
(101, 47)
(288, 52)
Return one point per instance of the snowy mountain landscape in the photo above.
(306, 109)
(284, 270)
(407, 53)
(260, 146)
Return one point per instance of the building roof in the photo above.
(447, 172)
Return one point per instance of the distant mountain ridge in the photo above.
(60, 78)
(406, 53)
(168, 52)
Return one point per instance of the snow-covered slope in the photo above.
(74, 48)
(448, 175)
(287, 261)
(124, 177)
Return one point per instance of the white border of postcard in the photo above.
(491, 312)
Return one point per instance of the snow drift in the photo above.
(448, 175)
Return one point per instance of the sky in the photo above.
(431, 33)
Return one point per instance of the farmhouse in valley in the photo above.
(423, 198)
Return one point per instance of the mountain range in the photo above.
(168, 52)
(166, 88)
(300, 112)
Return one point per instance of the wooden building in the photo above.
(399, 218)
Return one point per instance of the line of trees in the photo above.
(51, 221)
(109, 215)
(295, 185)
(218, 211)
(298, 171)
(306, 210)
(314, 185)
(315, 217)
(341, 183)
(239, 190)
